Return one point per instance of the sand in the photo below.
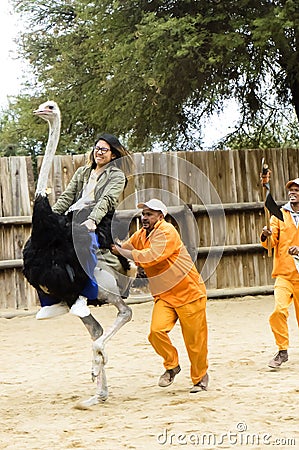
(45, 371)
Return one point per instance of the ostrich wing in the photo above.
(51, 262)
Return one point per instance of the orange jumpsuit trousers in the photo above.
(192, 317)
(285, 292)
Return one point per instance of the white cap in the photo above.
(154, 204)
(289, 183)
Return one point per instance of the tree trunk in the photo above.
(294, 86)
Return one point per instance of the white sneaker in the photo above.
(47, 312)
(80, 307)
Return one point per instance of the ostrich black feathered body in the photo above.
(51, 262)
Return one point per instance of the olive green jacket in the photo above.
(110, 184)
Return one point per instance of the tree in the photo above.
(151, 71)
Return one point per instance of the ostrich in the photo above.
(52, 260)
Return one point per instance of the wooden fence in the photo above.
(221, 188)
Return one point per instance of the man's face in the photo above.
(294, 193)
(149, 218)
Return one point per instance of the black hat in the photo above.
(112, 140)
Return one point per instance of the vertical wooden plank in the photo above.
(185, 169)
(22, 188)
(30, 181)
(138, 180)
(293, 163)
(232, 186)
(199, 177)
(223, 181)
(254, 160)
(214, 176)
(238, 157)
(246, 177)
(277, 178)
(6, 192)
(206, 267)
(281, 195)
(56, 180)
(151, 182)
(15, 186)
(229, 184)
(168, 166)
(10, 299)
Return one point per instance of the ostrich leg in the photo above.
(99, 357)
(107, 282)
(124, 315)
(94, 328)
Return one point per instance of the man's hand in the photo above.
(294, 250)
(266, 232)
(117, 249)
(114, 249)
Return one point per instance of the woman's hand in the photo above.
(90, 224)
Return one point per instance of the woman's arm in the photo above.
(108, 199)
(68, 197)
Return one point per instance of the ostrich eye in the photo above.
(51, 107)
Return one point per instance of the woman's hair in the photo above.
(117, 149)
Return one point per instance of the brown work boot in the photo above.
(167, 378)
(279, 358)
(202, 385)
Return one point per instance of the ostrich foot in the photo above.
(91, 401)
(102, 387)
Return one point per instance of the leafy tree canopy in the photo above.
(152, 71)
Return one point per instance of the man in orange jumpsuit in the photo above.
(284, 238)
(178, 290)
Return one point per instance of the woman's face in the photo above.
(102, 153)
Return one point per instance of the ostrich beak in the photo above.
(43, 111)
(37, 112)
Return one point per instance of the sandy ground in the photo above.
(45, 371)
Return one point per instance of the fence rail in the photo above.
(221, 188)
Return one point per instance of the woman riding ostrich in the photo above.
(62, 259)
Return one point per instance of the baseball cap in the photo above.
(295, 181)
(154, 204)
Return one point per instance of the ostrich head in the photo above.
(50, 112)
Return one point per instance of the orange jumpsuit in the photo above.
(286, 289)
(179, 293)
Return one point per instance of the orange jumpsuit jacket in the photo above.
(284, 235)
(170, 270)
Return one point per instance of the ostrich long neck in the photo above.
(54, 133)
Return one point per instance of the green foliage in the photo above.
(267, 136)
(18, 129)
(153, 71)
